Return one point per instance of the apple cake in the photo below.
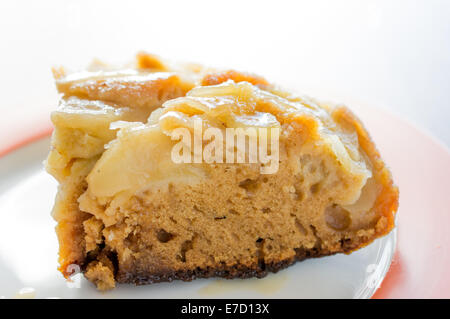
(128, 212)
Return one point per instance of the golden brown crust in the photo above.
(220, 77)
(147, 90)
(150, 62)
(71, 245)
(387, 201)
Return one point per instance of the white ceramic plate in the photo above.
(28, 252)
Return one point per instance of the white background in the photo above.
(391, 54)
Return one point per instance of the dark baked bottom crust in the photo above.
(259, 270)
(143, 273)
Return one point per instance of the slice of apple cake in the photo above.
(177, 172)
